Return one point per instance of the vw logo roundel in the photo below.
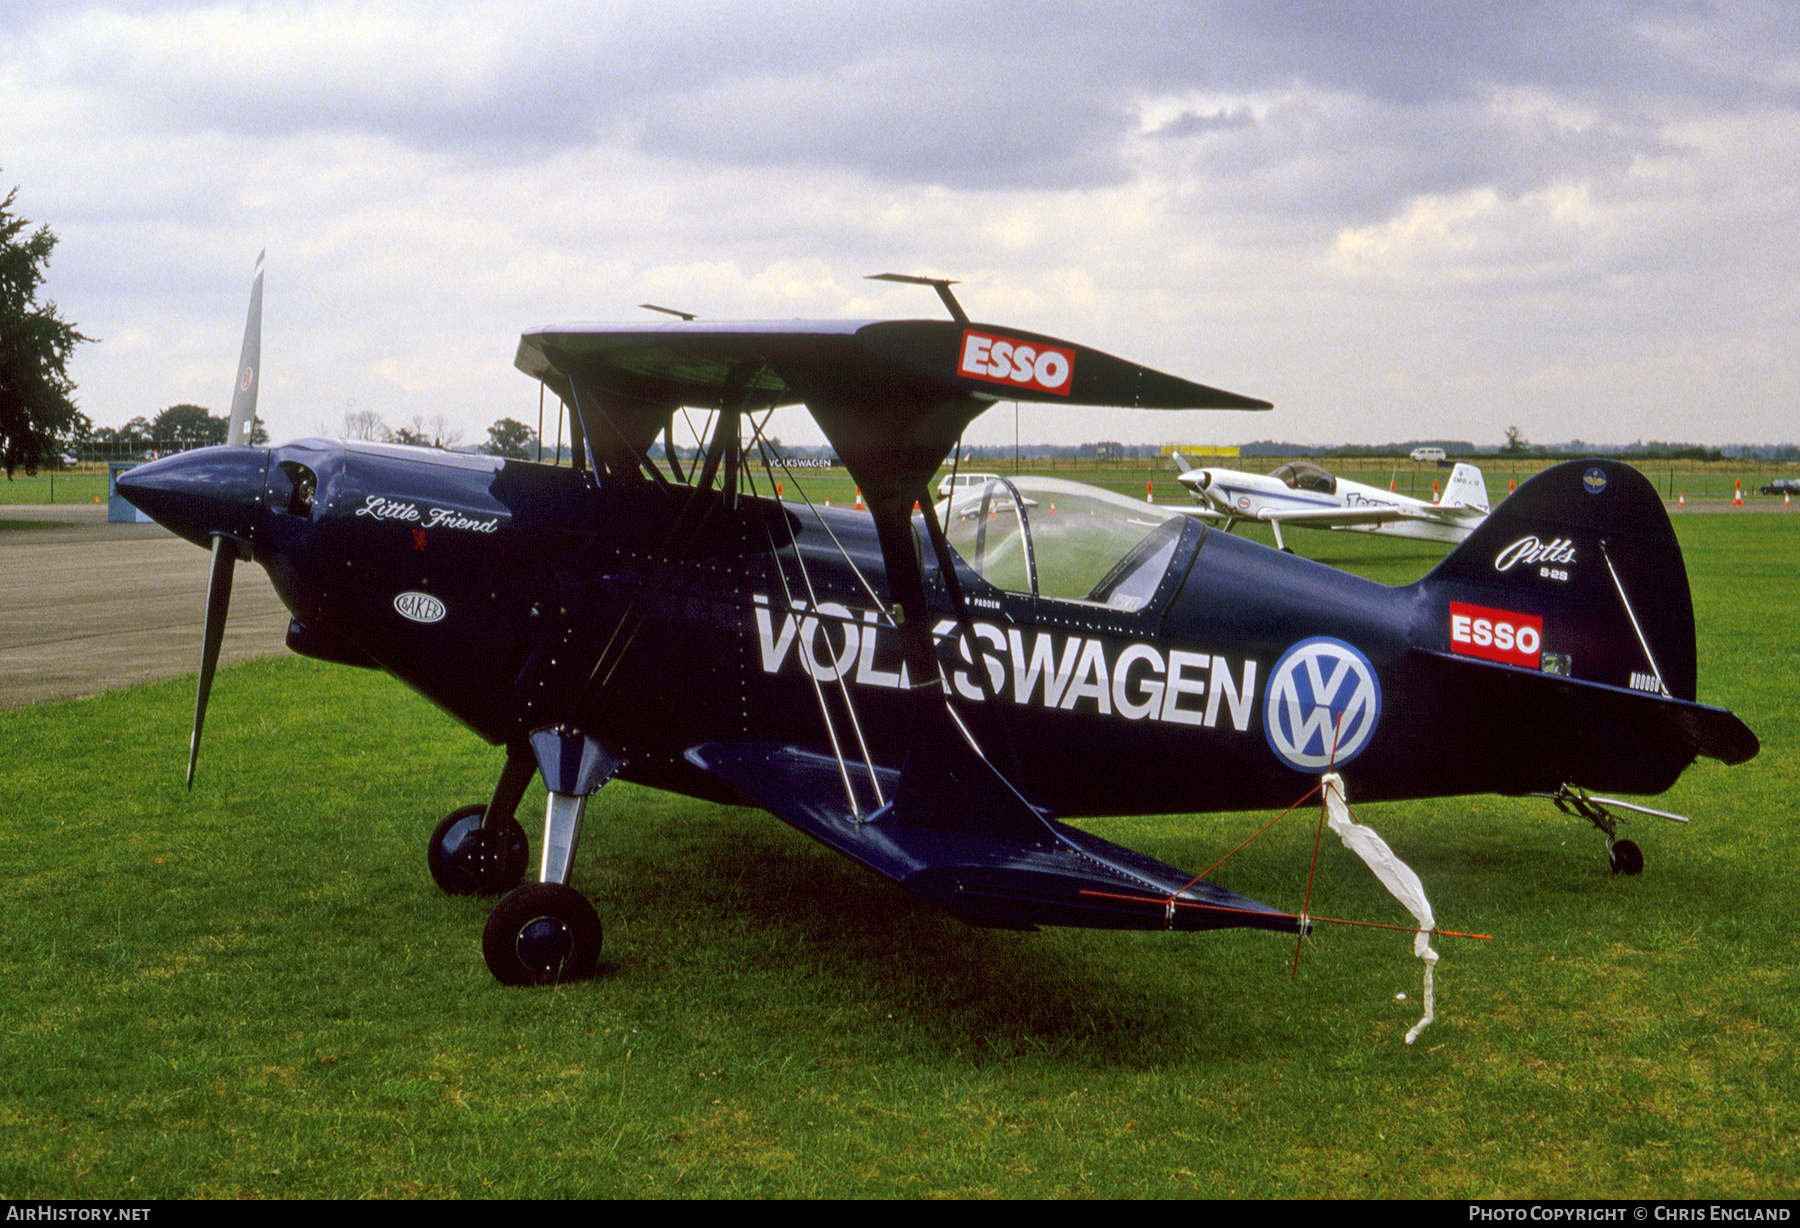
(1323, 704)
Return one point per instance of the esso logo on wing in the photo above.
(1496, 635)
(1016, 363)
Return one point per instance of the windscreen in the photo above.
(1063, 540)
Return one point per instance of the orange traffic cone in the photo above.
(1680, 500)
(1737, 498)
(1434, 496)
(778, 490)
(858, 505)
(1512, 484)
(1149, 493)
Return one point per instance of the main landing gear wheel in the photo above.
(542, 934)
(470, 857)
(1626, 857)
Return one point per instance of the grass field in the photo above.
(255, 989)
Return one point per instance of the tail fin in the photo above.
(1466, 488)
(1586, 550)
(1579, 576)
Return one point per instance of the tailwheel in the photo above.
(1626, 857)
(470, 856)
(542, 934)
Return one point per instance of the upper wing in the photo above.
(892, 396)
(694, 363)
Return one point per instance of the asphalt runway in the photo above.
(86, 606)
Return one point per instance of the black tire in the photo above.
(470, 857)
(542, 934)
(1626, 857)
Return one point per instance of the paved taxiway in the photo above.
(86, 606)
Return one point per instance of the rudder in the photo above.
(1584, 556)
(1466, 488)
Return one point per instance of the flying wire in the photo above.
(1312, 871)
(812, 598)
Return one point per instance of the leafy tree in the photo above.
(1515, 441)
(36, 405)
(510, 438)
(188, 426)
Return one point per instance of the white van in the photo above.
(1426, 455)
(963, 483)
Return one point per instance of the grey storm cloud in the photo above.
(967, 95)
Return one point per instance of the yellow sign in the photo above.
(1199, 449)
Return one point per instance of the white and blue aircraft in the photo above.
(1301, 493)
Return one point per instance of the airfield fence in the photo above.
(81, 482)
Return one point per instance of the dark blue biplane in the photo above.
(933, 690)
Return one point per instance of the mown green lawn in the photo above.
(255, 989)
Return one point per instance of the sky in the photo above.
(1395, 221)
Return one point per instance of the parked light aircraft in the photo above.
(933, 701)
(1301, 493)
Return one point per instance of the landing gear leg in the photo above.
(1624, 856)
(481, 850)
(546, 932)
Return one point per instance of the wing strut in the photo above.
(940, 545)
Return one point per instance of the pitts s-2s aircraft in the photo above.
(933, 704)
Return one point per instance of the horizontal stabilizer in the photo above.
(1568, 730)
(1071, 879)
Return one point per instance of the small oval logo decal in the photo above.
(1595, 480)
(420, 607)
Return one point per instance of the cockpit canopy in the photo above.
(1064, 540)
(1304, 475)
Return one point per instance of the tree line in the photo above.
(37, 405)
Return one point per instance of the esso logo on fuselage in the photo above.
(1016, 363)
(1496, 635)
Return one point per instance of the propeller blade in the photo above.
(218, 603)
(249, 378)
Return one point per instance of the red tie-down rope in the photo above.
(1171, 902)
